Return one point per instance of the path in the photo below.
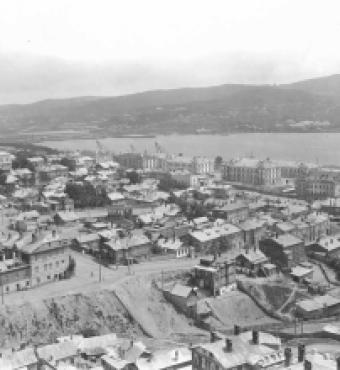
(86, 278)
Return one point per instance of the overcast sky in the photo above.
(61, 48)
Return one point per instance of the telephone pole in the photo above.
(100, 263)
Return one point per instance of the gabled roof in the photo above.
(57, 351)
(243, 353)
(43, 244)
(86, 238)
(254, 256)
(287, 240)
(181, 290)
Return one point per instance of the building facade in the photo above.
(202, 165)
(5, 161)
(49, 259)
(253, 171)
(318, 186)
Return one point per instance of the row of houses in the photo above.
(163, 162)
(253, 350)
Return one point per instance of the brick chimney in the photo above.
(228, 345)
(288, 356)
(255, 337)
(301, 352)
(307, 365)
(34, 238)
(213, 337)
(237, 330)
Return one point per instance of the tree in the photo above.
(69, 163)
(167, 183)
(218, 162)
(133, 176)
(21, 161)
(86, 195)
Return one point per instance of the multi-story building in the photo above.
(318, 185)
(49, 258)
(232, 212)
(48, 173)
(241, 351)
(215, 274)
(5, 161)
(130, 160)
(253, 231)
(292, 170)
(217, 238)
(253, 171)
(179, 162)
(154, 162)
(202, 165)
(285, 251)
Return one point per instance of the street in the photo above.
(86, 278)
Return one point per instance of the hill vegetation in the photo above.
(311, 105)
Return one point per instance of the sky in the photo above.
(63, 48)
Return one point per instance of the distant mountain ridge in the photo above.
(223, 108)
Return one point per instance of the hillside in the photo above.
(225, 108)
(104, 311)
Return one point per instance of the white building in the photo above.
(203, 165)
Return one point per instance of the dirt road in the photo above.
(87, 274)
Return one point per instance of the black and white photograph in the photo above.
(169, 185)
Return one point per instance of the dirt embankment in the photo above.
(276, 299)
(46, 320)
(136, 307)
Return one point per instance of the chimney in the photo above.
(338, 363)
(34, 238)
(54, 233)
(288, 356)
(237, 330)
(307, 365)
(213, 337)
(301, 352)
(255, 335)
(228, 345)
(176, 356)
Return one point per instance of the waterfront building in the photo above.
(203, 165)
(318, 185)
(130, 160)
(253, 171)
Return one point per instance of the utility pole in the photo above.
(2, 290)
(100, 263)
